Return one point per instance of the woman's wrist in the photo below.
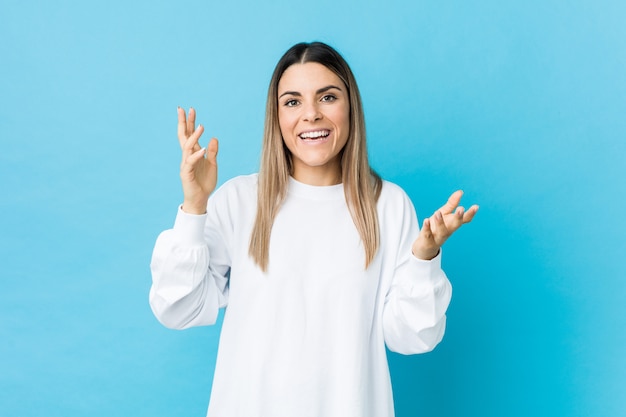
(193, 208)
(425, 255)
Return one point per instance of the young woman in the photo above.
(319, 263)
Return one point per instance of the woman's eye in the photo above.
(291, 103)
(329, 98)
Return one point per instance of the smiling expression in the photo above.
(314, 119)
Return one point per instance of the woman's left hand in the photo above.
(440, 226)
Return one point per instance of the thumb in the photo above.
(211, 151)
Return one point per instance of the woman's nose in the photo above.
(311, 113)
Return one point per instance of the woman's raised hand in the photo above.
(440, 226)
(198, 169)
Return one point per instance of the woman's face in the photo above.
(314, 118)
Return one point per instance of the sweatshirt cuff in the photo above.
(427, 267)
(189, 228)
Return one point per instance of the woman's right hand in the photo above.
(198, 169)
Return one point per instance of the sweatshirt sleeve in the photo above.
(414, 314)
(190, 269)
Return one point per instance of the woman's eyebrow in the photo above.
(325, 89)
(320, 91)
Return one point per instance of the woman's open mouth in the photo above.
(314, 135)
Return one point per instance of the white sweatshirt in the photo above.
(307, 338)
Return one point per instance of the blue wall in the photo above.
(522, 104)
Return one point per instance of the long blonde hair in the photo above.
(361, 184)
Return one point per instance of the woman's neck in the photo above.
(318, 176)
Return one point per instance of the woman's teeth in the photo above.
(315, 135)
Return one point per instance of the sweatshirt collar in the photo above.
(314, 192)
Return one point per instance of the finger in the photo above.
(182, 125)
(197, 155)
(426, 230)
(452, 203)
(192, 160)
(439, 228)
(459, 213)
(191, 121)
(211, 151)
(191, 145)
(454, 220)
(469, 214)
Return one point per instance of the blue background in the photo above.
(520, 103)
